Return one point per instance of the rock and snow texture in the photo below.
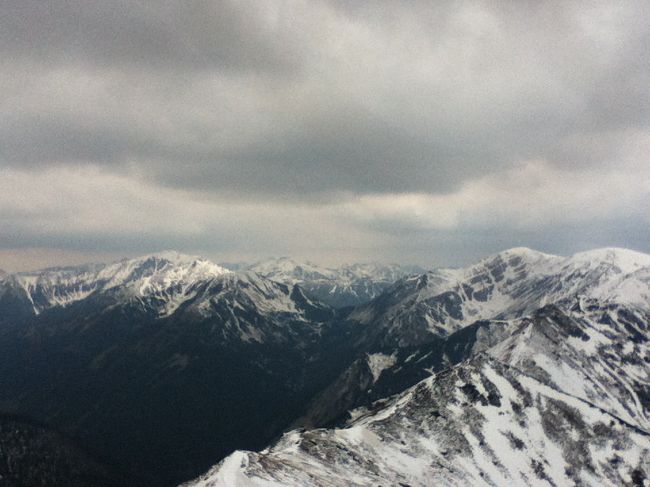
(166, 275)
(510, 284)
(169, 279)
(481, 423)
(378, 362)
(536, 409)
(347, 285)
(551, 387)
(164, 353)
(250, 307)
(524, 369)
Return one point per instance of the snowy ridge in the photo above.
(599, 355)
(510, 284)
(346, 285)
(248, 306)
(167, 274)
(534, 409)
(289, 271)
(240, 300)
(141, 355)
(537, 372)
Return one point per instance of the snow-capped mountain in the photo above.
(403, 330)
(166, 275)
(249, 306)
(507, 285)
(524, 369)
(164, 346)
(346, 285)
(560, 399)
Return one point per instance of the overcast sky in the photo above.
(421, 132)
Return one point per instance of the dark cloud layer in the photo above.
(168, 35)
(322, 103)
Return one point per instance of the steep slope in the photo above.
(507, 285)
(168, 363)
(604, 342)
(164, 275)
(561, 400)
(409, 329)
(347, 285)
(32, 454)
(164, 363)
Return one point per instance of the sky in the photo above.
(420, 132)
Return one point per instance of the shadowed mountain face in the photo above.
(547, 386)
(162, 363)
(523, 368)
(32, 454)
(347, 285)
(560, 398)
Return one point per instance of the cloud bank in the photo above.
(415, 131)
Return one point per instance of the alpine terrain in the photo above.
(163, 362)
(346, 285)
(524, 369)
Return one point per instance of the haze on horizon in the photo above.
(416, 132)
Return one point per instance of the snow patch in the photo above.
(378, 362)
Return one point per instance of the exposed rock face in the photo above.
(522, 369)
(549, 387)
(346, 285)
(146, 358)
(543, 406)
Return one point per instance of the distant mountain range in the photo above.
(164, 361)
(346, 285)
(523, 369)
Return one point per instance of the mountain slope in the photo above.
(477, 424)
(524, 369)
(32, 454)
(510, 284)
(164, 274)
(412, 324)
(346, 285)
(536, 408)
(164, 363)
(168, 363)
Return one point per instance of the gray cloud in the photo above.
(164, 35)
(318, 104)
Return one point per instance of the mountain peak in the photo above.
(625, 259)
(525, 253)
(171, 256)
(517, 258)
(146, 275)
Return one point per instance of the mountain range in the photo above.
(523, 369)
(346, 285)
